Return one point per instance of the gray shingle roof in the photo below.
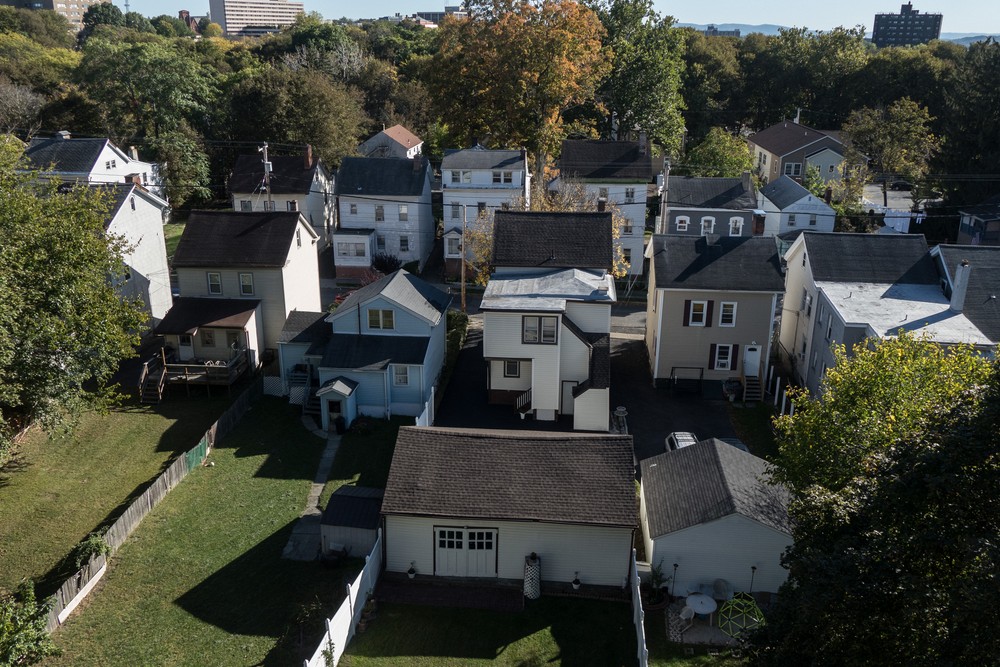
(982, 298)
(516, 475)
(381, 177)
(229, 238)
(354, 507)
(532, 239)
(869, 258)
(706, 481)
(188, 314)
(407, 290)
(611, 161)
(305, 326)
(119, 193)
(705, 192)
(478, 157)
(67, 155)
(784, 137)
(784, 192)
(373, 353)
(289, 175)
(732, 263)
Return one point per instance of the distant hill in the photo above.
(965, 39)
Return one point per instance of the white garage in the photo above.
(470, 503)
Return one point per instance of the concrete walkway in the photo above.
(304, 542)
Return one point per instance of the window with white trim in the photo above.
(292, 205)
(723, 357)
(727, 314)
(404, 213)
(354, 209)
(246, 284)
(401, 375)
(707, 225)
(456, 211)
(379, 243)
(381, 318)
(404, 244)
(626, 227)
(269, 205)
(503, 177)
(214, 282)
(350, 249)
(629, 195)
(791, 219)
(602, 193)
(246, 205)
(454, 246)
(698, 313)
(793, 169)
(461, 176)
(511, 368)
(735, 226)
(379, 213)
(812, 219)
(539, 329)
(682, 223)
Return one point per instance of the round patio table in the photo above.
(702, 604)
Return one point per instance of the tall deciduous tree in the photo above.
(103, 13)
(63, 327)
(897, 139)
(642, 91)
(719, 154)
(895, 477)
(512, 68)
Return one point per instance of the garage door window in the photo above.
(450, 539)
(480, 540)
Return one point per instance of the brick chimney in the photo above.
(960, 285)
(133, 153)
(308, 157)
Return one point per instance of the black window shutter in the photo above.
(711, 357)
(736, 357)
(708, 313)
(687, 312)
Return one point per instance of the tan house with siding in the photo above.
(711, 310)
(788, 148)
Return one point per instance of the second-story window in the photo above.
(539, 329)
(736, 226)
(503, 177)
(379, 243)
(707, 226)
(214, 282)
(629, 195)
(381, 319)
(404, 213)
(354, 209)
(292, 205)
(682, 223)
(404, 244)
(461, 176)
(456, 211)
(246, 284)
(602, 193)
(379, 213)
(727, 314)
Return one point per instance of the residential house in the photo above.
(847, 288)
(92, 160)
(297, 183)
(788, 148)
(351, 521)
(479, 503)
(476, 180)
(711, 310)
(267, 256)
(396, 142)
(384, 205)
(379, 354)
(136, 216)
(619, 172)
(980, 225)
(789, 207)
(547, 316)
(976, 293)
(699, 206)
(708, 511)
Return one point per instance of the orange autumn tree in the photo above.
(508, 71)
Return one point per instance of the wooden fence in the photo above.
(77, 586)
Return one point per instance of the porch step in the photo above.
(311, 406)
(298, 378)
(752, 390)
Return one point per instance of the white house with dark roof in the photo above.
(547, 316)
(699, 206)
(619, 172)
(789, 207)
(789, 148)
(847, 288)
(297, 183)
(476, 180)
(970, 279)
(477, 503)
(92, 160)
(708, 511)
(380, 353)
(396, 141)
(384, 205)
(711, 309)
(268, 257)
(980, 224)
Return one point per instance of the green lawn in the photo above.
(663, 653)
(59, 489)
(172, 236)
(550, 631)
(753, 426)
(201, 581)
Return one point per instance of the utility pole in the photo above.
(465, 220)
(267, 176)
(664, 196)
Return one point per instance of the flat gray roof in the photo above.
(549, 291)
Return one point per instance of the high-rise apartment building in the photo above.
(73, 10)
(907, 28)
(246, 17)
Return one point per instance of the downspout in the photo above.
(659, 338)
(385, 380)
(770, 337)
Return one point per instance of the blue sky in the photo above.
(972, 16)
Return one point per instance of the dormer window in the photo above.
(461, 176)
(503, 177)
(381, 319)
(682, 223)
(707, 226)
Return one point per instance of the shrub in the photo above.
(412, 267)
(386, 263)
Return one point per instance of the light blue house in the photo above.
(379, 354)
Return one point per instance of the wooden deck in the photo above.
(156, 374)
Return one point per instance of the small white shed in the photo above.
(476, 503)
(351, 519)
(710, 509)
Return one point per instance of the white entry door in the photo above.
(567, 397)
(186, 348)
(751, 360)
(461, 552)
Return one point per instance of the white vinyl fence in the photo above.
(340, 629)
(638, 616)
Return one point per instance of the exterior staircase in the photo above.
(752, 390)
(523, 403)
(152, 381)
(312, 406)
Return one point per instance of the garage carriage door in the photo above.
(465, 552)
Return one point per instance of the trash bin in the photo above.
(340, 424)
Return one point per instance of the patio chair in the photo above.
(687, 618)
(722, 590)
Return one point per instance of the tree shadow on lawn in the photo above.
(260, 594)
(585, 632)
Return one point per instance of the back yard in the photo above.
(59, 489)
(201, 581)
